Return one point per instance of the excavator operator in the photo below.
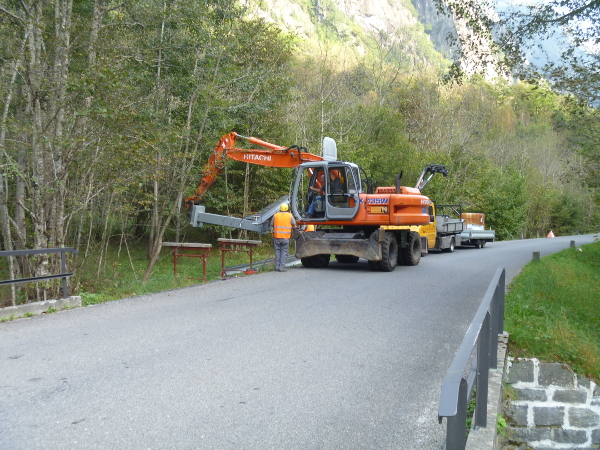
(316, 193)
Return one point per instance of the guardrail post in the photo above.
(456, 436)
(63, 261)
(483, 373)
(500, 293)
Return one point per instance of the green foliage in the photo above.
(503, 199)
(501, 425)
(567, 215)
(552, 310)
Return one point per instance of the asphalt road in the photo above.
(337, 358)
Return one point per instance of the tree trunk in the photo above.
(35, 76)
(13, 269)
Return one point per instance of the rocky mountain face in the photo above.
(351, 18)
(416, 25)
(440, 27)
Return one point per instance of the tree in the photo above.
(513, 33)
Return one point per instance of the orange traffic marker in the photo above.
(551, 234)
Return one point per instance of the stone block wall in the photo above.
(554, 408)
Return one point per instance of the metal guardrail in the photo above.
(64, 275)
(483, 333)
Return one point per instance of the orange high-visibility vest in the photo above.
(282, 225)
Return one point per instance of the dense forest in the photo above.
(110, 110)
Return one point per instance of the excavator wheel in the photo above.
(389, 253)
(306, 262)
(346, 259)
(321, 261)
(412, 253)
(373, 265)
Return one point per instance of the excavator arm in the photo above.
(271, 155)
(430, 170)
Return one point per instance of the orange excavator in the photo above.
(335, 195)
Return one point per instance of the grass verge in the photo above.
(552, 311)
(117, 273)
(121, 274)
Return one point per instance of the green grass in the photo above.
(552, 311)
(118, 274)
(121, 275)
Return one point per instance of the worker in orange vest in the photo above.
(283, 222)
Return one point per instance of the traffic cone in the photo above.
(551, 234)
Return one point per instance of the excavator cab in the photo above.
(326, 190)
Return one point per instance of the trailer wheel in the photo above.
(451, 248)
(478, 243)
(346, 259)
(483, 242)
(412, 253)
(389, 253)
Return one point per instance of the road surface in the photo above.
(337, 358)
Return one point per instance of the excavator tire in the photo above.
(346, 259)
(412, 253)
(374, 265)
(306, 262)
(321, 261)
(389, 253)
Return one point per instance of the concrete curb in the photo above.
(487, 438)
(35, 308)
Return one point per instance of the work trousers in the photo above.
(282, 247)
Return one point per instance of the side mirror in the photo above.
(431, 218)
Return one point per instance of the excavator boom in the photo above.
(271, 155)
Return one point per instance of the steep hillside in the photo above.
(359, 25)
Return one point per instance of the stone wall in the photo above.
(553, 408)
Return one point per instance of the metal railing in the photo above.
(64, 275)
(483, 333)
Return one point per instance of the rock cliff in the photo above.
(352, 20)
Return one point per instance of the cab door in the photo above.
(342, 192)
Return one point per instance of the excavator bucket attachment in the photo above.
(258, 222)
